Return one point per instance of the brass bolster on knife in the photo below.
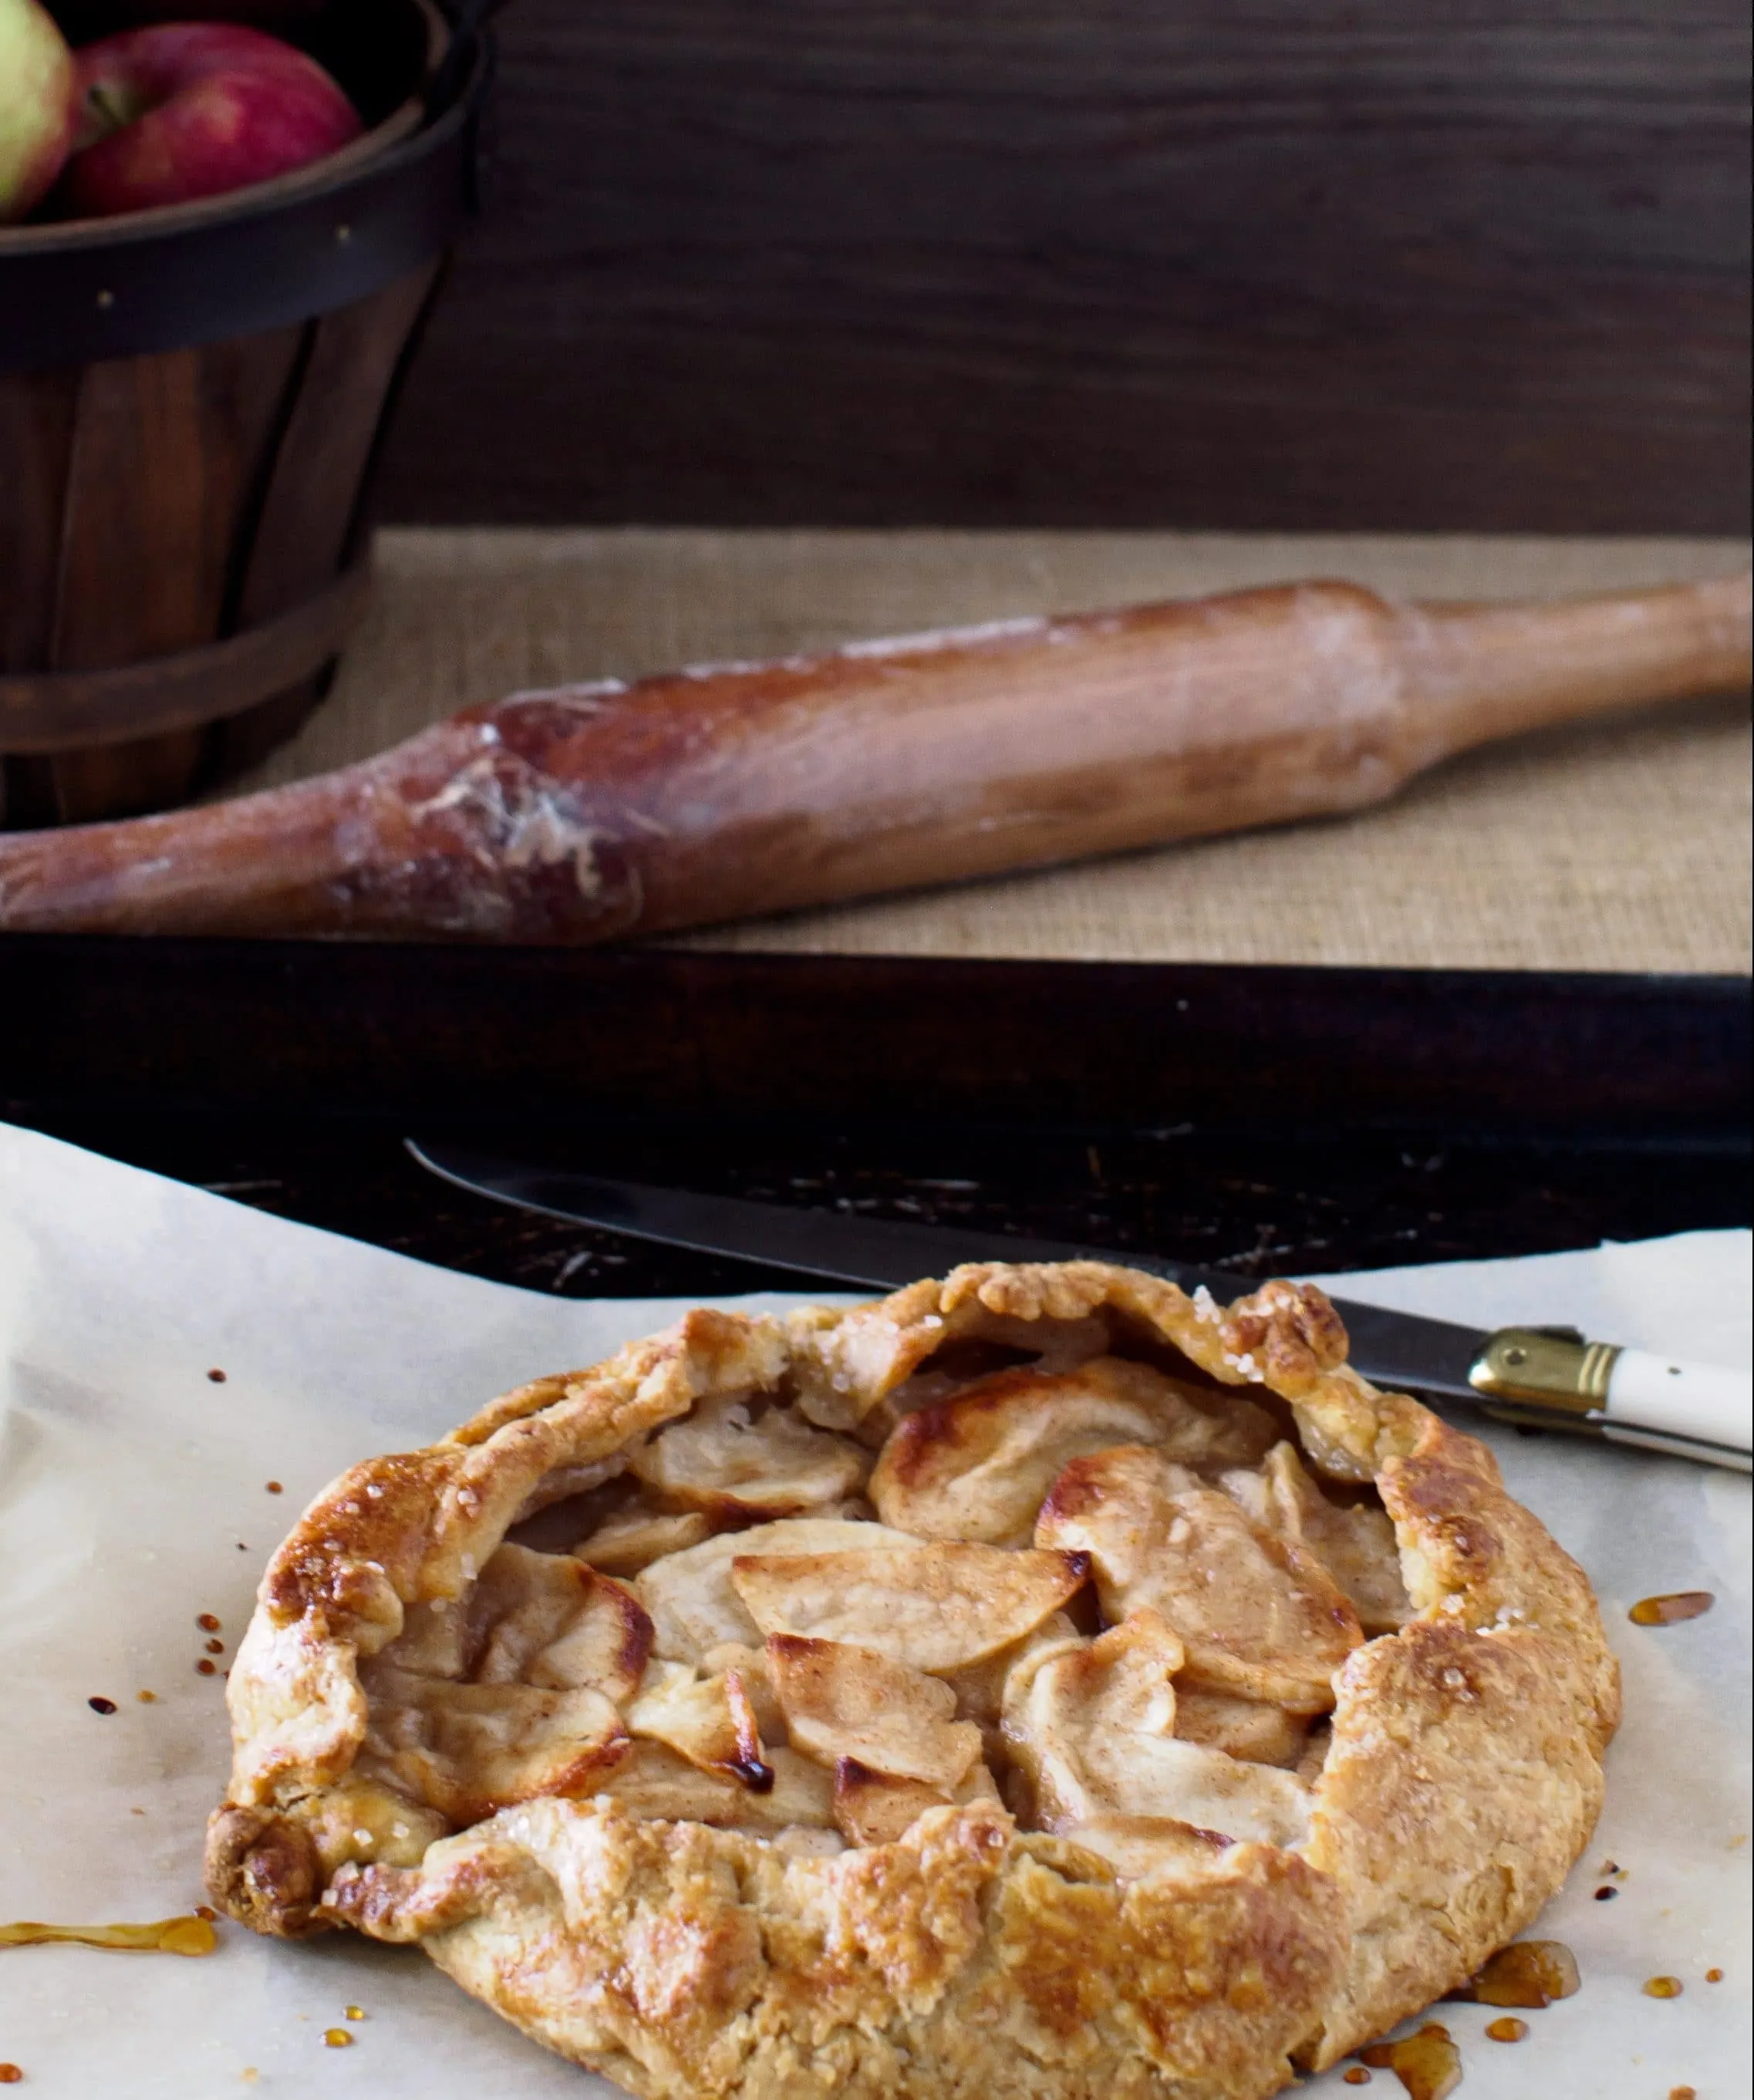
(1551, 1368)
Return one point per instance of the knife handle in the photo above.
(1700, 1410)
(1704, 1403)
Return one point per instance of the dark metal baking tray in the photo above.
(1260, 1118)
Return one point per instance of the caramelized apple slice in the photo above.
(1139, 1846)
(690, 1597)
(563, 1624)
(628, 1541)
(750, 1667)
(530, 1618)
(1355, 1543)
(710, 1720)
(470, 1750)
(1260, 1616)
(737, 1460)
(1090, 1728)
(846, 1364)
(977, 1466)
(845, 1702)
(979, 1687)
(1072, 1716)
(938, 1606)
(1247, 1728)
(654, 1781)
(875, 1808)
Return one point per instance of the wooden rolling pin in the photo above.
(605, 809)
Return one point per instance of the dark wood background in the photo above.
(1294, 263)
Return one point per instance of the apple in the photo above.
(37, 105)
(182, 110)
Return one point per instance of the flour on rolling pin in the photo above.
(726, 790)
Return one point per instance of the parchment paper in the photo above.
(133, 1498)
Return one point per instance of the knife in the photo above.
(1547, 1378)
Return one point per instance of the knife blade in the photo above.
(1549, 1378)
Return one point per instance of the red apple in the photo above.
(192, 109)
(37, 105)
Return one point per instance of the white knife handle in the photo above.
(1703, 1402)
(1552, 1378)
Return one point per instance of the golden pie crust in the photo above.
(1037, 1682)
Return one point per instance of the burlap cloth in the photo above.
(1623, 845)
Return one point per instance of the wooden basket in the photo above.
(191, 401)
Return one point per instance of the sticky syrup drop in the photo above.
(1529, 1974)
(170, 1935)
(100, 1705)
(275, 1487)
(1663, 1987)
(354, 2012)
(1428, 2064)
(1671, 1610)
(10, 2074)
(1508, 2029)
(1356, 2076)
(337, 2038)
(208, 1623)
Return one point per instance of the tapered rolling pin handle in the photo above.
(1476, 673)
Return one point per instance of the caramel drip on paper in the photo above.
(170, 1935)
(1428, 2064)
(1671, 1610)
(1529, 1973)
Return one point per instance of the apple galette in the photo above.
(1039, 1682)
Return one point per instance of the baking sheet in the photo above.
(133, 1498)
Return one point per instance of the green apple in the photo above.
(38, 107)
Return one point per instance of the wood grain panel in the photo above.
(1294, 263)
